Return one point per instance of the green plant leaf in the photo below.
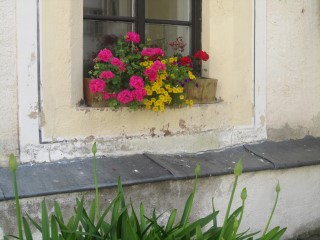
(199, 235)
(78, 210)
(136, 223)
(54, 229)
(187, 210)
(45, 221)
(228, 234)
(171, 220)
(57, 210)
(92, 212)
(34, 223)
(143, 224)
(27, 231)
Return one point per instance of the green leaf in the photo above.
(142, 219)
(139, 230)
(34, 223)
(27, 231)
(57, 211)
(79, 211)
(187, 210)
(199, 235)
(171, 220)
(45, 221)
(229, 229)
(92, 212)
(54, 229)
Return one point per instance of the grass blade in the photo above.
(27, 231)
(45, 221)
(171, 220)
(54, 229)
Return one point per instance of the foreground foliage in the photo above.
(126, 222)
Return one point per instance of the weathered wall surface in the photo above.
(293, 68)
(8, 81)
(298, 206)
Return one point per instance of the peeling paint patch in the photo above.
(166, 131)
(152, 134)
(33, 115)
(182, 124)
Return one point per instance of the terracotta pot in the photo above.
(203, 94)
(91, 99)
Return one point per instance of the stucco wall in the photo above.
(298, 206)
(8, 81)
(293, 68)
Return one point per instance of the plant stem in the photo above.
(18, 212)
(274, 207)
(228, 210)
(96, 184)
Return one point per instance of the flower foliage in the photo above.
(133, 74)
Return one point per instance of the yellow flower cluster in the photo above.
(191, 76)
(160, 92)
(189, 103)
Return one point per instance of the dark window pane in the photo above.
(98, 35)
(168, 9)
(111, 8)
(161, 35)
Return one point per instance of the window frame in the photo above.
(139, 21)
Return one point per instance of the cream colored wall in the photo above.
(8, 81)
(230, 62)
(293, 68)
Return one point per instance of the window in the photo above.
(162, 21)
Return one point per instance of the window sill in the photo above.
(77, 175)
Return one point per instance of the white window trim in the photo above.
(28, 62)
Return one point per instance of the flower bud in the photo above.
(278, 187)
(238, 168)
(94, 148)
(12, 163)
(197, 170)
(244, 194)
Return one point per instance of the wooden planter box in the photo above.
(205, 93)
(91, 99)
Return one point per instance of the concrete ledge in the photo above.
(77, 175)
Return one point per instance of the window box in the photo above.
(204, 93)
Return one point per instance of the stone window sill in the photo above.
(77, 175)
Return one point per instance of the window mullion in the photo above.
(196, 25)
(140, 18)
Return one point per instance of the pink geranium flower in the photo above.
(97, 85)
(107, 74)
(150, 52)
(117, 62)
(139, 94)
(136, 82)
(125, 96)
(105, 55)
(132, 37)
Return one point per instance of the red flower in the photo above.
(202, 55)
(185, 61)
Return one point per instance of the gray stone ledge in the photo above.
(77, 175)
